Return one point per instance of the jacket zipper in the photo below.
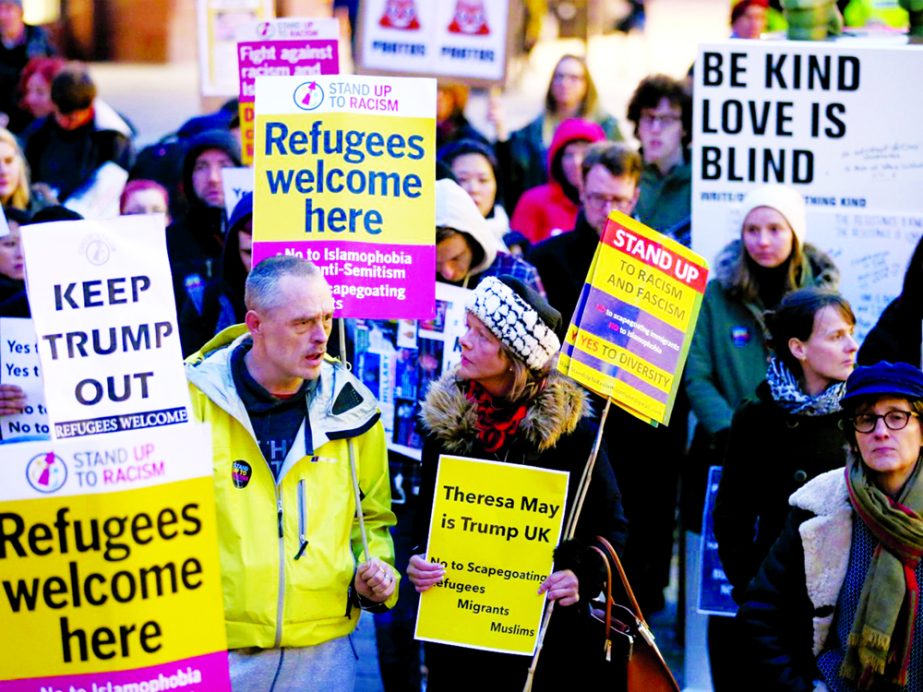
(302, 520)
(280, 605)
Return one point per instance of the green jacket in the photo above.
(728, 355)
(278, 592)
(665, 200)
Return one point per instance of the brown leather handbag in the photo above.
(626, 641)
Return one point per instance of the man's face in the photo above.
(74, 119)
(603, 192)
(11, 24)
(660, 130)
(290, 339)
(206, 176)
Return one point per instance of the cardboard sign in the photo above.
(462, 40)
(218, 23)
(281, 47)
(109, 564)
(398, 359)
(634, 322)
(102, 302)
(345, 177)
(714, 587)
(19, 365)
(824, 118)
(494, 528)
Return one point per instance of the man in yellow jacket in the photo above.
(286, 422)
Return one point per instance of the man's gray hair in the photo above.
(261, 290)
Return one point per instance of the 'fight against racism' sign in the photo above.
(103, 307)
(634, 322)
(494, 528)
(281, 47)
(109, 574)
(345, 177)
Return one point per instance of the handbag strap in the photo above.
(609, 599)
(614, 558)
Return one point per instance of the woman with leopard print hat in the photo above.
(505, 402)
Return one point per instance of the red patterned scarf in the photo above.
(497, 421)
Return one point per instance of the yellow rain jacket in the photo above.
(289, 548)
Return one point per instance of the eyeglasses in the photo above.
(599, 200)
(894, 420)
(664, 120)
(564, 77)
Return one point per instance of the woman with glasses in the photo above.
(522, 154)
(795, 413)
(836, 604)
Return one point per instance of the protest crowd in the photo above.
(818, 517)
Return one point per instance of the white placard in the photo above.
(102, 300)
(19, 365)
(465, 40)
(236, 183)
(826, 119)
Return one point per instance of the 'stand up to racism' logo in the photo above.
(46, 472)
(470, 18)
(309, 96)
(400, 14)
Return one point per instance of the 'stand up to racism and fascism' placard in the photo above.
(634, 322)
(345, 177)
(109, 574)
(494, 528)
(102, 303)
(281, 47)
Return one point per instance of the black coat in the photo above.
(559, 413)
(563, 262)
(770, 454)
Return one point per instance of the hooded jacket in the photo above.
(289, 547)
(556, 433)
(553, 207)
(666, 200)
(195, 240)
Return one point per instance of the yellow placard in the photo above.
(494, 528)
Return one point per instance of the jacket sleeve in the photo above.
(375, 488)
(776, 615)
(709, 405)
(734, 515)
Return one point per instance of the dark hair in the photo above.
(590, 98)
(795, 318)
(449, 152)
(73, 89)
(656, 87)
(616, 157)
(477, 252)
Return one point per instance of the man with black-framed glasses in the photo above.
(661, 111)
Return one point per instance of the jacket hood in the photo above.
(340, 406)
(106, 118)
(452, 418)
(823, 271)
(210, 139)
(570, 130)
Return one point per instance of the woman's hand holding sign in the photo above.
(561, 586)
(423, 574)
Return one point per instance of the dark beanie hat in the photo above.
(521, 318)
(243, 210)
(883, 379)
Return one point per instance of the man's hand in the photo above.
(375, 580)
(12, 400)
(562, 587)
(423, 574)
